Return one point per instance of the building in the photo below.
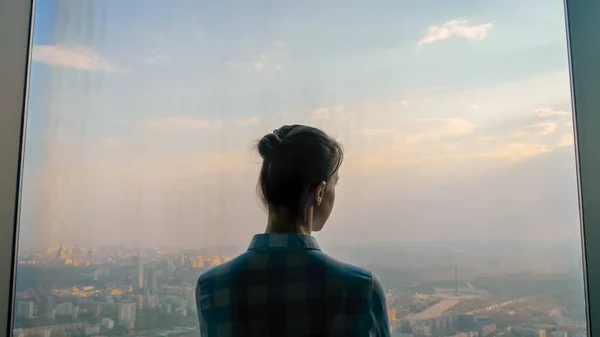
(391, 314)
(487, 329)
(56, 329)
(25, 309)
(422, 331)
(140, 272)
(65, 308)
(151, 301)
(520, 331)
(92, 329)
(97, 310)
(139, 302)
(190, 298)
(127, 315)
(467, 334)
(107, 323)
(435, 320)
(153, 281)
(460, 291)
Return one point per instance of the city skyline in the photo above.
(140, 128)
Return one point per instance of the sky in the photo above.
(455, 118)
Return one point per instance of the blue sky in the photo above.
(143, 115)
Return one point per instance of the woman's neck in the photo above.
(281, 224)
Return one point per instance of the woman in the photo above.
(284, 285)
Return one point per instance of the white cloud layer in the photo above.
(455, 28)
(327, 112)
(540, 129)
(263, 62)
(155, 59)
(180, 123)
(74, 57)
(246, 121)
(549, 112)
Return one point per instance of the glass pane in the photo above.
(458, 187)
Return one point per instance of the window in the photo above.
(459, 188)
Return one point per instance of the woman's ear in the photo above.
(320, 193)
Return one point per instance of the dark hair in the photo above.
(296, 158)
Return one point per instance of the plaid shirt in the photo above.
(284, 286)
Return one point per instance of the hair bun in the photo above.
(268, 145)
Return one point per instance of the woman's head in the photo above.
(298, 177)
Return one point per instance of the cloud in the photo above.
(549, 112)
(475, 107)
(455, 28)
(420, 138)
(246, 121)
(113, 142)
(74, 57)
(327, 112)
(449, 143)
(376, 132)
(155, 59)
(435, 128)
(263, 62)
(567, 139)
(180, 123)
(426, 129)
(540, 129)
(514, 151)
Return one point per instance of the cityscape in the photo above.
(124, 291)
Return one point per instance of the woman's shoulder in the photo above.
(346, 271)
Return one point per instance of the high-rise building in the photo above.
(140, 273)
(65, 308)
(92, 329)
(107, 323)
(190, 298)
(97, 310)
(392, 314)
(127, 315)
(153, 281)
(151, 300)
(139, 302)
(25, 309)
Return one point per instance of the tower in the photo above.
(140, 272)
(455, 280)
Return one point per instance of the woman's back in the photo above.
(285, 286)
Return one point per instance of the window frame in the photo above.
(582, 18)
(582, 21)
(16, 23)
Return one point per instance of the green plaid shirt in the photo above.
(284, 286)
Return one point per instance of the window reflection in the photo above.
(458, 188)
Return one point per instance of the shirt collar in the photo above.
(283, 241)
